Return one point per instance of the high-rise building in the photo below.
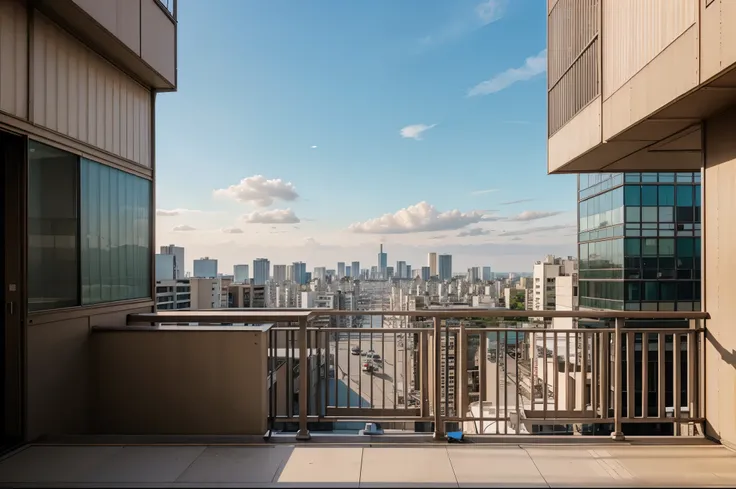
(639, 241)
(300, 272)
(400, 269)
(320, 273)
(241, 273)
(348, 271)
(407, 271)
(355, 269)
(340, 269)
(432, 263)
(545, 274)
(205, 268)
(279, 273)
(165, 267)
(261, 271)
(389, 272)
(426, 273)
(487, 274)
(178, 253)
(473, 274)
(382, 263)
(445, 267)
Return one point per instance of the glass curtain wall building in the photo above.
(639, 250)
(639, 241)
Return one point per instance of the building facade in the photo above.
(261, 271)
(355, 269)
(205, 268)
(78, 87)
(241, 273)
(445, 267)
(178, 253)
(639, 241)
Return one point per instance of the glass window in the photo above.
(666, 214)
(651, 291)
(685, 247)
(666, 177)
(684, 195)
(633, 214)
(53, 277)
(697, 195)
(684, 177)
(649, 247)
(666, 195)
(649, 214)
(115, 223)
(632, 195)
(648, 195)
(649, 177)
(632, 247)
(667, 246)
(633, 291)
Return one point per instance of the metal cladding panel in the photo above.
(79, 94)
(13, 58)
(634, 32)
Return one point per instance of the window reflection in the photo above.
(52, 228)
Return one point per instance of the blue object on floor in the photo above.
(455, 437)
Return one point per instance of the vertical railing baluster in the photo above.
(290, 373)
(676, 381)
(556, 373)
(336, 362)
(604, 374)
(383, 371)
(517, 383)
(700, 375)
(569, 407)
(593, 337)
(645, 375)
(396, 364)
(303, 433)
(497, 400)
(482, 374)
(533, 368)
(462, 388)
(583, 372)
(545, 382)
(630, 375)
(691, 368)
(618, 433)
(437, 350)
(661, 370)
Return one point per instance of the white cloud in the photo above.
(183, 227)
(309, 241)
(275, 216)
(259, 191)
(533, 66)
(533, 215)
(415, 131)
(520, 201)
(491, 10)
(314, 147)
(473, 232)
(232, 230)
(483, 192)
(418, 218)
(174, 212)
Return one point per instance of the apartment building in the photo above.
(626, 97)
(188, 293)
(545, 273)
(246, 296)
(177, 252)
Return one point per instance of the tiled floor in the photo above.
(374, 465)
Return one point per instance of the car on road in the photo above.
(376, 357)
(355, 350)
(368, 367)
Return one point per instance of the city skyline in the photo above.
(477, 128)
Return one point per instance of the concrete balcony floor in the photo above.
(594, 462)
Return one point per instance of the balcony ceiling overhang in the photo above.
(668, 140)
(74, 19)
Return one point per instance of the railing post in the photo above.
(618, 433)
(439, 428)
(303, 433)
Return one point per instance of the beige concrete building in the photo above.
(78, 85)
(650, 86)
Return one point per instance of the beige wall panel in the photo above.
(634, 32)
(719, 250)
(78, 94)
(580, 134)
(158, 40)
(728, 32)
(710, 39)
(58, 378)
(13, 58)
(667, 77)
(122, 18)
(180, 382)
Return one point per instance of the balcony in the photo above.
(216, 397)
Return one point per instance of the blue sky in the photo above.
(299, 124)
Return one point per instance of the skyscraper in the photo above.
(425, 273)
(432, 263)
(487, 275)
(355, 269)
(348, 271)
(261, 271)
(241, 273)
(205, 268)
(178, 252)
(382, 263)
(279, 273)
(340, 269)
(300, 272)
(445, 267)
(400, 269)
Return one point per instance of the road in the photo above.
(378, 389)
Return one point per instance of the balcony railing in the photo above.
(484, 376)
